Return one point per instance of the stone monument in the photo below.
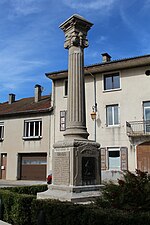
(76, 160)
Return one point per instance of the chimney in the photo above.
(106, 57)
(37, 93)
(11, 98)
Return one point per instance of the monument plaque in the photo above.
(88, 170)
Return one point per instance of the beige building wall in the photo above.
(134, 89)
(14, 143)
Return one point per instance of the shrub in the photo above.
(16, 207)
(131, 193)
(30, 190)
(60, 213)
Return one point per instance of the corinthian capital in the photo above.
(75, 29)
(77, 39)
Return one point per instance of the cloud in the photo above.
(90, 4)
(26, 7)
(101, 39)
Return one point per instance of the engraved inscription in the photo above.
(62, 168)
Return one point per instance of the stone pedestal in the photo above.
(76, 171)
(76, 160)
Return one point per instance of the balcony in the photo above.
(138, 128)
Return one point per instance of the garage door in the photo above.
(33, 166)
(143, 157)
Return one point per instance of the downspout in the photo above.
(95, 103)
(54, 108)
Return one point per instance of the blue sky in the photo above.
(31, 42)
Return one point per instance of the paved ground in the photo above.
(13, 183)
(3, 223)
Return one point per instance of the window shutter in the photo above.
(124, 158)
(103, 159)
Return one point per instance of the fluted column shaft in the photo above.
(75, 29)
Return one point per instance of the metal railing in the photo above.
(138, 128)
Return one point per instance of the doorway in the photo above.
(3, 166)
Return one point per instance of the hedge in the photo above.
(16, 208)
(60, 213)
(23, 209)
(30, 190)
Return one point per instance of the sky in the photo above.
(32, 44)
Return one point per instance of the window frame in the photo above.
(112, 74)
(111, 149)
(113, 116)
(66, 88)
(2, 131)
(27, 129)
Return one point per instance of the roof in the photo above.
(26, 106)
(119, 64)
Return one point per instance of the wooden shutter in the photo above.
(124, 158)
(103, 159)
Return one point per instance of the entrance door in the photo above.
(3, 166)
(147, 116)
(143, 157)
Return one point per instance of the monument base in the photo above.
(76, 171)
(75, 194)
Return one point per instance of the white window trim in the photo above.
(34, 136)
(65, 96)
(2, 136)
(113, 125)
(113, 149)
(110, 90)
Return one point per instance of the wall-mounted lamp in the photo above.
(93, 113)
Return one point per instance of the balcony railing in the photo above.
(138, 128)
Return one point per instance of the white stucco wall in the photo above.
(134, 90)
(13, 142)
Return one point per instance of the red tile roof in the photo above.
(26, 106)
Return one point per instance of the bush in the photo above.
(16, 208)
(30, 190)
(60, 213)
(131, 193)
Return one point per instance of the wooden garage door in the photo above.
(143, 157)
(33, 167)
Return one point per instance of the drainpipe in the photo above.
(95, 103)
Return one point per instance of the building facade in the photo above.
(118, 93)
(25, 137)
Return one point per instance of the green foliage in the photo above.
(30, 190)
(23, 209)
(131, 193)
(60, 213)
(16, 208)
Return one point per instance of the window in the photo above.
(146, 106)
(114, 158)
(111, 81)
(1, 131)
(112, 115)
(62, 120)
(33, 129)
(66, 88)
